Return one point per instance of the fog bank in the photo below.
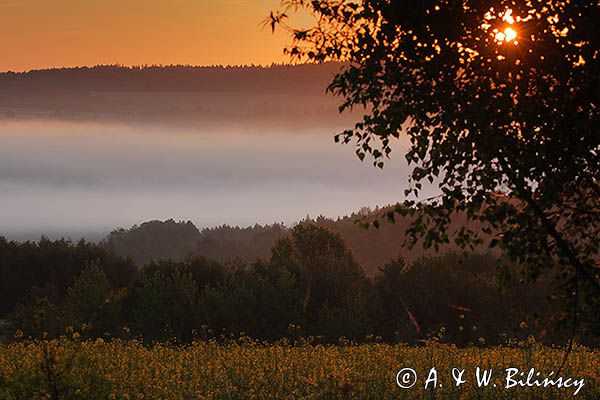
(72, 179)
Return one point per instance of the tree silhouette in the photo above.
(499, 100)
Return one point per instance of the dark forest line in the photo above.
(309, 284)
(282, 79)
(281, 94)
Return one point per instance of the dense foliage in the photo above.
(310, 285)
(47, 268)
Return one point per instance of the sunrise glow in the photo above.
(42, 34)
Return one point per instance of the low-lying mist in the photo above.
(78, 178)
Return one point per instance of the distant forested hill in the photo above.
(155, 240)
(276, 94)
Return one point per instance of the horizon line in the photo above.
(148, 66)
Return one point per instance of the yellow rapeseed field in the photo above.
(71, 369)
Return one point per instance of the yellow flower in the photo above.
(523, 325)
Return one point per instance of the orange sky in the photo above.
(54, 33)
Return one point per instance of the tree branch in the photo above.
(548, 225)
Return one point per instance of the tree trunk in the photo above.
(307, 294)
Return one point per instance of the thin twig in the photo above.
(573, 327)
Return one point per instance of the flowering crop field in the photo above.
(69, 369)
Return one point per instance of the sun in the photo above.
(508, 35)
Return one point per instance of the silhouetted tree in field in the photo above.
(499, 100)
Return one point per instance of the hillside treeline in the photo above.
(310, 285)
(155, 240)
(281, 94)
(286, 79)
